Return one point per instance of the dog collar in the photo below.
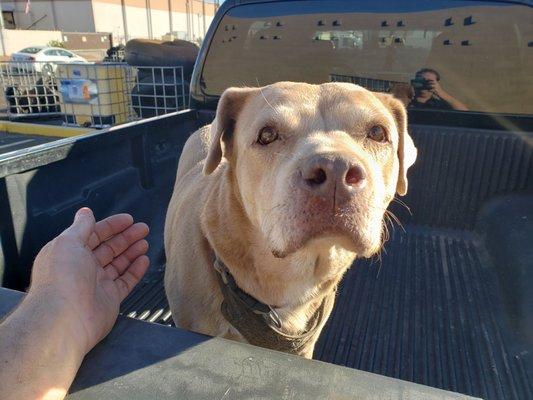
(258, 322)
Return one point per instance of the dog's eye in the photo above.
(377, 133)
(267, 135)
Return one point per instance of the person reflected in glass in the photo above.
(429, 94)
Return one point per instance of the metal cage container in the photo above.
(96, 95)
(29, 88)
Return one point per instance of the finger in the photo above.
(110, 272)
(112, 248)
(83, 225)
(109, 227)
(127, 281)
(119, 264)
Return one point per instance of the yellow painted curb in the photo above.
(23, 128)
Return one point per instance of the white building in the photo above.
(125, 19)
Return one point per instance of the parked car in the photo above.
(45, 57)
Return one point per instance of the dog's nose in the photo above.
(322, 174)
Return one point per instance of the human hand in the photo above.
(88, 270)
(435, 87)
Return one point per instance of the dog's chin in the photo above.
(355, 242)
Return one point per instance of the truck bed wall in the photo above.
(130, 169)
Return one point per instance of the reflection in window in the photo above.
(375, 85)
(342, 39)
(484, 66)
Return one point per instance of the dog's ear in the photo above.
(406, 148)
(229, 107)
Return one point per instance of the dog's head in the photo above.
(313, 164)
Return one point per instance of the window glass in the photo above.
(51, 53)
(31, 50)
(460, 55)
(64, 53)
(9, 20)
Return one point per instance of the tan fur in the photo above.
(273, 236)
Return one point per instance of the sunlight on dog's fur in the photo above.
(288, 185)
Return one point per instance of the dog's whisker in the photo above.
(386, 232)
(389, 218)
(402, 203)
(380, 263)
(396, 219)
(263, 95)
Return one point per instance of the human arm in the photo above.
(437, 89)
(78, 282)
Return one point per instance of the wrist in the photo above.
(38, 347)
(62, 318)
(442, 94)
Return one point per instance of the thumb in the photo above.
(83, 225)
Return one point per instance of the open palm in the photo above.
(91, 267)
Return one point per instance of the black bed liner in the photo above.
(427, 313)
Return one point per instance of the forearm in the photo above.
(452, 101)
(39, 352)
(78, 281)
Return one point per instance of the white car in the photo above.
(45, 58)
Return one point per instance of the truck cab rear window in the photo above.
(445, 55)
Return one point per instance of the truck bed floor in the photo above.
(428, 312)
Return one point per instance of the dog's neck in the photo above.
(296, 284)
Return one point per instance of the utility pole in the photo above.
(192, 19)
(188, 15)
(2, 32)
(124, 20)
(203, 14)
(54, 19)
(170, 25)
(149, 19)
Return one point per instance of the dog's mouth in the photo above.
(318, 223)
(340, 233)
(294, 245)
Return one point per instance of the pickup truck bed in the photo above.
(448, 305)
(426, 313)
